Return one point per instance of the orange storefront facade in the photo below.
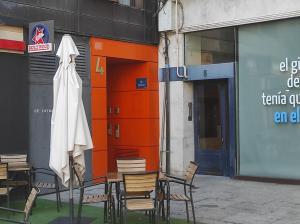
(125, 101)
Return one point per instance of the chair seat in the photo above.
(179, 197)
(16, 183)
(3, 191)
(139, 204)
(45, 185)
(95, 198)
(136, 194)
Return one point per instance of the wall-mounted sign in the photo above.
(141, 83)
(287, 96)
(41, 37)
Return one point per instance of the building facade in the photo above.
(109, 35)
(232, 70)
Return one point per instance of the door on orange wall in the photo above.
(133, 119)
(125, 117)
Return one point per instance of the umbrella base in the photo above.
(66, 220)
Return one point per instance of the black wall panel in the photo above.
(14, 104)
(95, 26)
(100, 18)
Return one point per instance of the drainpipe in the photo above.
(167, 104)
(177, 44)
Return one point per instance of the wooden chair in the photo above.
(17, 163)
(107, 198)
(130, 165)
(27, 210)
(187, 183)
(4, 188)
(49, 187)
(135, 183)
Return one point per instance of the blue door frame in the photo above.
(223, 71)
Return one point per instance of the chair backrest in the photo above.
(140, 182)
(14, 160)
(123, 153)
(3, 171)
(191, 171)
(131, 165)
(29, 203)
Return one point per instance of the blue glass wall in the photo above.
(269, 100)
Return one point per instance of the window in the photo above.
(210, 47)
(268, 148)
(133, 3)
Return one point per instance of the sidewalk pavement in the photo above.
(221, 200)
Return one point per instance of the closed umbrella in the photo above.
(70, 134)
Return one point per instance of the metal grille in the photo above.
(42, 64)
(81, 60)
(43, 67)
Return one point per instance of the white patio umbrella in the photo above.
(70, 134)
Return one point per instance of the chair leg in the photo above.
(156, 218)
(125, 216)
(8, 200)
(162, 208)
(193, 210)
(121, 212)
(113, 211)
(150, 216)
(57, 201)
(187, 211)
(105, 212)
(60, 204)
(79, 213)
(117, 186)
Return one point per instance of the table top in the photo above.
(117, 177)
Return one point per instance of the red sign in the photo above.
(39, 47)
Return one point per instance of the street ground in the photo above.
(221, 200)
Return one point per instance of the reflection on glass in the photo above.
(209, 118)
(124, 2)
(139, 4)
(134, 3)
(209, 47)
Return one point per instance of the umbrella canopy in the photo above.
(70, 134)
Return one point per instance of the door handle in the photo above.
(109, 110)
(117, 131)
(221, 133)
(109, 129)
(117, 110)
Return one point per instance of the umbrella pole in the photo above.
(71, 201)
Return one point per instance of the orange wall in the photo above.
(115, 86)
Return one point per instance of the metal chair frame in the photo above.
(45, 185)
(188, 187)
(27, 210)
(107, 198)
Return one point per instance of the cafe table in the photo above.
(117, 178)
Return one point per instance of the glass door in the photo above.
(211, 115)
